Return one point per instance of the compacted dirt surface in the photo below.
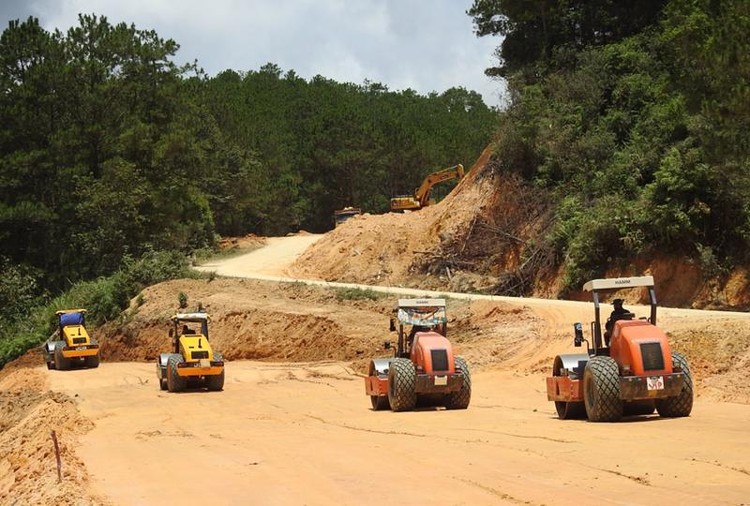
(293, 424)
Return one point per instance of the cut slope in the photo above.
(383, 249)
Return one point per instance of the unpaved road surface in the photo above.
(303, 432)
(270, 261)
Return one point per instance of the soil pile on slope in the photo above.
(488, 236)
(28, 469)
(387, 249)
(292, 322)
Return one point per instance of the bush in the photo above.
(358, 294)
(104, 299)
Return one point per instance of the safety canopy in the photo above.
(423, 312)
(75, 318)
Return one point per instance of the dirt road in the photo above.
(304, 433)
(269, 262)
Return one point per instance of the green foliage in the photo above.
(358, 294)
(325, 145)
(182, 300)
(19, 293)
(109, 150)
(639, 130)
(104, 299)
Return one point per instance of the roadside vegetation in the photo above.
(627, 134)
(633, 121)
(111, 153)
(26, 323)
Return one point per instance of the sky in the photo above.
(426, 45)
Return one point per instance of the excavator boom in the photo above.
(421, 196)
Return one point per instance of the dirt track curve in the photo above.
(304, 433)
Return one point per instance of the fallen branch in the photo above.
(57, 457)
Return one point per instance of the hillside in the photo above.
(478, 239)
(296, 356)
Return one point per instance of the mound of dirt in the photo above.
(28, 415)
(259, 320)
(384, 249)
(293, 322)
(484, 238)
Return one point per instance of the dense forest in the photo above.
(627, 121)
(116, 163)
(632, 117)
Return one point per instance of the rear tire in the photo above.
(402, 385)
(92, 361)
(460, 399)
(175, 383)
(215, 383)
(682, 404)
(601, 390)
(379, 402)
(61, 363)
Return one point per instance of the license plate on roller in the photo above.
(441, 380)
(655, 383)
(205, 362)
(80, 348)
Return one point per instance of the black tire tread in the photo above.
(215, 382)
(402, 385)
(461, 398)
(601, 390)
(682, 404)
(92, 361)
(61, 363)
(175, 383)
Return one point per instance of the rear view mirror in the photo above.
(387, 345)
(392, 327)
(578, 330)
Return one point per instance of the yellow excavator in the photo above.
(421, 197)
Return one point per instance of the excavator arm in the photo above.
(423, 192)
(421, 196)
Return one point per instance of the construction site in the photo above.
(298, 333)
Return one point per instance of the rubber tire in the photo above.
(379, 402)
(682, 404)
(402, 385)
(460, 399)
(215, 382)
(61, 363)
(92, 361)
(175, 383)
(601, 390)
(163, 384)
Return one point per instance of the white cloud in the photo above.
(426, 45)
